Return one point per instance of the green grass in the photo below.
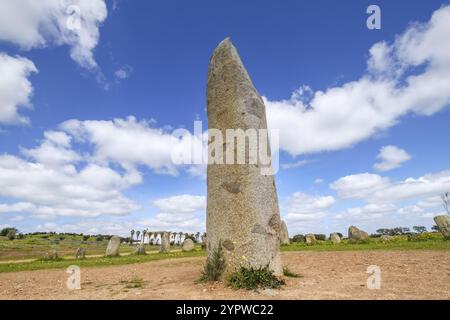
(34, 247)
(95, 262)
(214, 267)
(254, 278)
(288, 273)
(434, 242)
(133, 283)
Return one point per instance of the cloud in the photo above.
(123, 72)
(410, 75)
(178, 213)
(297, 164)
(181, 204)
(57, 181)
(89, 226)
(391, 157)
(304, 212)
(131, 143)
(15, 88)
(376, 189)
(37, 24)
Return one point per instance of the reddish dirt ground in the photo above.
(326, 275)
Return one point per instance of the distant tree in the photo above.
(11, 235)
(137, 235)
(4, 232)
(86, 237)
(420, 229)
(435, 228)
(446, 199)
(298, 238)
(321, 237)
(384, 231)
(132, 235)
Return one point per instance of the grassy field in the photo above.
(33, 247)
(430, 241)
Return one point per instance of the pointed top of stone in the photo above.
(226, 54)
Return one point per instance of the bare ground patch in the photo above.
(325, 275)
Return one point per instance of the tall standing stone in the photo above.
(443, 223)
(284, 234)
(165, 243)
(113, 247)
(242, 207)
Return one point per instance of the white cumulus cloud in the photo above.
(391, 157)
(410, 75)
(37, 24)
(15, 88)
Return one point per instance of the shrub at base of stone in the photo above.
(254, 278)
(214, 267)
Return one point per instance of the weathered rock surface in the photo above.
(284, 234)
(165, 243)
(242, 207)
(310, 238)
(356, 235)
(335, 239)
(443, 223)
(188, 245)
(51, 255)
(80, 253)
(112, 250)
(140, 249)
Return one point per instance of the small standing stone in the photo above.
(284, 234)
(165, 243)
(51, 255)
(443, 223)
(356, 235)
(140, 249)
(80, 253)
(113, 247)
(335, 239)
(188, 245)
(310, 238)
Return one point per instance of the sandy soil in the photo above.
(326, 275)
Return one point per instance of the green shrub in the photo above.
(4, 232)
(11, 235)
(289, 273)
(254, 278)
(214, 267)
(320, 237)
(421, 237)
(298, 238)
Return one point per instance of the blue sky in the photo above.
(76, 161)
